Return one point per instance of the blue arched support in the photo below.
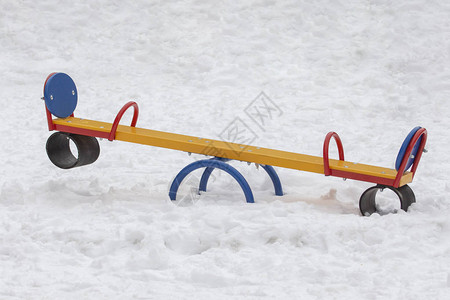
(275, 179)
(207, 173)
(211, 163)
(269, 169)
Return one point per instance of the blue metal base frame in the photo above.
(269, 169)
(220, 163)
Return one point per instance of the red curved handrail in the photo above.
(326, 145)
(112, 133)
(421, 132)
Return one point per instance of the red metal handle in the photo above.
(422, 132)
(326, 145)
(112, 133)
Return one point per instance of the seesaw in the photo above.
(61, 96)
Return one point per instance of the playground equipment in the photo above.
(61, 96)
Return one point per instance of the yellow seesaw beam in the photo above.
(233, 151)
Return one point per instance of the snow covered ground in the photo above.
(369, 70)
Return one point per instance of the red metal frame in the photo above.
(326, 146)
(81, 131)
(362, 177)
(112, 134)
(51, 126)
(422, 132)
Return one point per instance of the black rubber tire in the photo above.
(367, 203)
(58, 150)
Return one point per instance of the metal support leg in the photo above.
(207, 173)
(269, 169)
(211, 163)
(275, 179)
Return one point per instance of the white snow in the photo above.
(369, 70)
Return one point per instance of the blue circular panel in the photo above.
(403, 148)
(60, 94)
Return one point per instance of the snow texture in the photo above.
(369, 70)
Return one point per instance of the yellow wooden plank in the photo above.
(231, 150)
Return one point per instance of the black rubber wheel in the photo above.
(367, 203)
(58, 150)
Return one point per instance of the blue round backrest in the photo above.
(60, 94)
(403, 148)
